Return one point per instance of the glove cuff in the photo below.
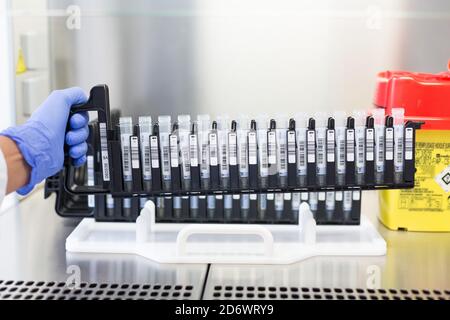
(35, 148)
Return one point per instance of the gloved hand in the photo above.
(41, 138)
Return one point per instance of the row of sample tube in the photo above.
(226, 154)
(340, 207)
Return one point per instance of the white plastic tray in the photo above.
(225, 243)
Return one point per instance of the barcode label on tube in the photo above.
(184, 153)
(370, 145)
(252, 149)
(193, 150)
(389, 144)
(311, 146)
(134, 152)
(145, 150)
(154, 151)
(320, 149)
(301, 153)
(350, 145)
(291, 147)
(360, 148)
(104, 151)
(409, 144)
(330, 145)
(213, 156)
(173, 142)
(232, 143)
(272, 147)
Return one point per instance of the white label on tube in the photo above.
(340, 151)
(350, 141)
(173, 141)
(104, 151)
(90, 179)
(126, 156)
(370, 144)
(357, 195)
(311, 146)
(185, 156)
(282, 151)
(398, 148)
(165, 155)
(262, 152)
(320, 152)
(243, 152)
(154, 152)
(379, 148)
(291, 146)
(360, 149)
(193, 150)
(252, 148)
(223, 153)
(338, 195)
(213, 150)
(301, 151)
(204, 154)
(409, 148)
(331, 142)
(389, 144)
(145, 155)
(272, 147)
(232, 148)
(135, 152)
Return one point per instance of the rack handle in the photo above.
(224, 229)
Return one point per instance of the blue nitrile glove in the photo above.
(41, 138)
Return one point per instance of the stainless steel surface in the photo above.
(413, 261)
(32, 248)
(32, 239)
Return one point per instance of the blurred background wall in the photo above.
(252, 56)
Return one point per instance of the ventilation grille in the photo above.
(42, 290)
(296, 293)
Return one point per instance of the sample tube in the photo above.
(90, 178)
(126, 130)
(301, 127)
(145, 130)
(378, 116)
(184, 130)
(243, 125)
(281, 132)
(223, 129)
(399, 118)
(321, 164)
(272, 155)
(340, 119)
(165, 129)
(360, 137)
(204, 125)
(262, 150)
